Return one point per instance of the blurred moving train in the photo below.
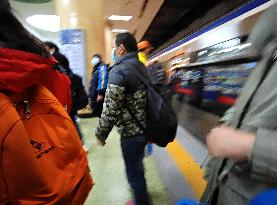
(205, 93)
(214, 89)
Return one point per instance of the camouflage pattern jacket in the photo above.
(124, 89)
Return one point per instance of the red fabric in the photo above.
(184, 91)
(59, 85)
(20, 70)
(226, 100)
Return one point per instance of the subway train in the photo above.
(203, 94)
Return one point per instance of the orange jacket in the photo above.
(42, 159)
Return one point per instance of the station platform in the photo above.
(172, 173)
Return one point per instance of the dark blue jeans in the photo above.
(133, 154)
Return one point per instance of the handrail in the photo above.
(225, 62)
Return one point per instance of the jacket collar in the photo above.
(131, 55)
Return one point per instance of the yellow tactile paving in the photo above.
(188, 167)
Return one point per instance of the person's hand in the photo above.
(101, 142)
(227, 142)
(99, 98)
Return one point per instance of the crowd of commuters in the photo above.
(34, 73)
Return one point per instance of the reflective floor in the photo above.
(172, 173)
(106, 163)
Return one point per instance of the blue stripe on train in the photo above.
(248, 7)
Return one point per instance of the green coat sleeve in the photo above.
(113, 102)
(264, 155)
(114, 99)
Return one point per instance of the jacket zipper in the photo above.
(27, 110)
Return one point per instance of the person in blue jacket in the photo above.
(98, 84)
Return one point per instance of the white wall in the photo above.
(24, 10)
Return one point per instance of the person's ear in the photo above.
(122, 49)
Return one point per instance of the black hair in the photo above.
(61, 59)
(5, 5)
(13, 35)
(52, 45)
(127, 40)
(98, 56)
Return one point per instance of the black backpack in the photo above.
(156, 75)
(78, 93)
(161, 126)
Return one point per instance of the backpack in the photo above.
(42, 159)
(162, 123)
(78, 94)
(156, 75)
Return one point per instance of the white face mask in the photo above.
(95, 61)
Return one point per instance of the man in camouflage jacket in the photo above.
(126, 91)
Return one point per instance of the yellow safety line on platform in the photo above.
(188, 167)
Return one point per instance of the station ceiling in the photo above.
(143, 12)
(153, 20)
(173, 16)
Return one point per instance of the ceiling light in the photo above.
(119, 30)
(120, 18)
(73, 21)
(45, 22)
(66, 2)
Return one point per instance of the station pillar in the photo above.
(88, 16)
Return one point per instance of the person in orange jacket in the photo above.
(42, 160)
(144, 49)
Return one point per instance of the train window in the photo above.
(215, 89)
(230, 48)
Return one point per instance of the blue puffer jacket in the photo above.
(99, 81)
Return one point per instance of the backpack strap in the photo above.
(145, 81)
(134, 116)
(147, 84)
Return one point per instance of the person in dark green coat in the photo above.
(244, 150)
